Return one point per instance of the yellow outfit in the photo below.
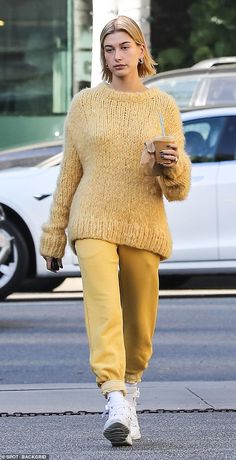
(116, 216)
(100, 192)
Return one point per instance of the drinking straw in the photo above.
(163, 132)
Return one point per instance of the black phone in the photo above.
(54, 264)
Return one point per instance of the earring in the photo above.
(141, 61)
(106, 65)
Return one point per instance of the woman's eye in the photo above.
(125, 47)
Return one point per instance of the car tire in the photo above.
(13, 271)
(41, 284)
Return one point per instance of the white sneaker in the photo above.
(117, 427)
(132, 394)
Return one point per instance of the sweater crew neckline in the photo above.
(137, 96)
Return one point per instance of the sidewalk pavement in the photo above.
(171, 396)
(189, 420)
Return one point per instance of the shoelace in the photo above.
(112, 408)
(135, 396)
(137, 393)
(106, 411)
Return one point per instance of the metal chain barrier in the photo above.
(147, 411)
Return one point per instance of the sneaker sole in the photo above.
(118, 434)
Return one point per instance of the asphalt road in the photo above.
(164, 437)
(45, 341)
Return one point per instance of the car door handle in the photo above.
(42, 196)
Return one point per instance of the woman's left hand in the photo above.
(170, 156)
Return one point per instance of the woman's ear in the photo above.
(142, 48)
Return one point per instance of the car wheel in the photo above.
(13, 270)
(41, 284)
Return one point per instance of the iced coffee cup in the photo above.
(161, 143)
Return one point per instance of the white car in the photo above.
(203, 226)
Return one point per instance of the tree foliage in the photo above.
(185, 32)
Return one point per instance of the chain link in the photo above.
(146, 411)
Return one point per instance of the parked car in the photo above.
(211, 82)
(203, 226)
(29, 155)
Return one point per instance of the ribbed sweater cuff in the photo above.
(52, 245)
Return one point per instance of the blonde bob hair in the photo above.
(128, 25)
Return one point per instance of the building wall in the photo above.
(35, 69)
(46, 56)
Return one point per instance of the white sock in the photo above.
(131, 385)
(116, 397)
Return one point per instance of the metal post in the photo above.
(69, 72)
(82, 48)
(103, 11)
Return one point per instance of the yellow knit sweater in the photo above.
(100, 192)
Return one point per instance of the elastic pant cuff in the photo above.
(113, 385)
(133, 378)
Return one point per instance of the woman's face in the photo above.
(122, 54)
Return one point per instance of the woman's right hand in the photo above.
(53, 264)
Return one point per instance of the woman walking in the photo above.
(115, 216)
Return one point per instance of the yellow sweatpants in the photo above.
(120, 309)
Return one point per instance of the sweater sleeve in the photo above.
(175, 181)
(53, 238)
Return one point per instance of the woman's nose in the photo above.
(117, 55)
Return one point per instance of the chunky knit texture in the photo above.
(100, 191)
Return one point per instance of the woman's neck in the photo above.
(127, 85)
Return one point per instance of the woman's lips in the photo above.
(121, 66)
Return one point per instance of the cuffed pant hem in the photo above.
(133, 378)
(113, 385)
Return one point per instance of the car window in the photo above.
(181, 88)
(226, 149)
(28, 157)
(221, 90)
(202, 137)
